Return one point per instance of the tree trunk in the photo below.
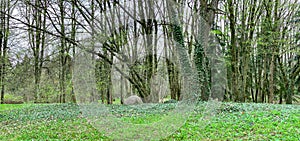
(271, 94)
(234, 60)
(63, 58)
(4, 33)
(73, 37)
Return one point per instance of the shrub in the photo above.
(11, 99)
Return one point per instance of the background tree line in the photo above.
(135, 42)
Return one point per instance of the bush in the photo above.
(11, 99)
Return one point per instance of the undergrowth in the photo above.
(228, 121)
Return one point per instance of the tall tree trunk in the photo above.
(233, 48)
(172, 68)
(36, 17)
(4, 33)
(271, 94)
(191, 84)
(73, 37)
(286, 84)
(62, 79)
(206, 42)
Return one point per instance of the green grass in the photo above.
(230, 121)
(258, 122)
(4, 107)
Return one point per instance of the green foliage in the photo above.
(217, 32)
(244, 122)
(77, 129)
(4, 107)
(232, 121)
(42, 112)
(143, 119)
(130, 111)
(229, 108)
(10, 97)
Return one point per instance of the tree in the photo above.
(36, 17)
(5, 8)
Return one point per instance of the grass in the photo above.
(229, 121)
(4, 107)
(250, 122)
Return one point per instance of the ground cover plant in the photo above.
(4, 107)
(229, 121)
(162, 55)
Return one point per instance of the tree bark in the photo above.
(4, 33)
(233, 48)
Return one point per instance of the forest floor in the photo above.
(225, 121)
